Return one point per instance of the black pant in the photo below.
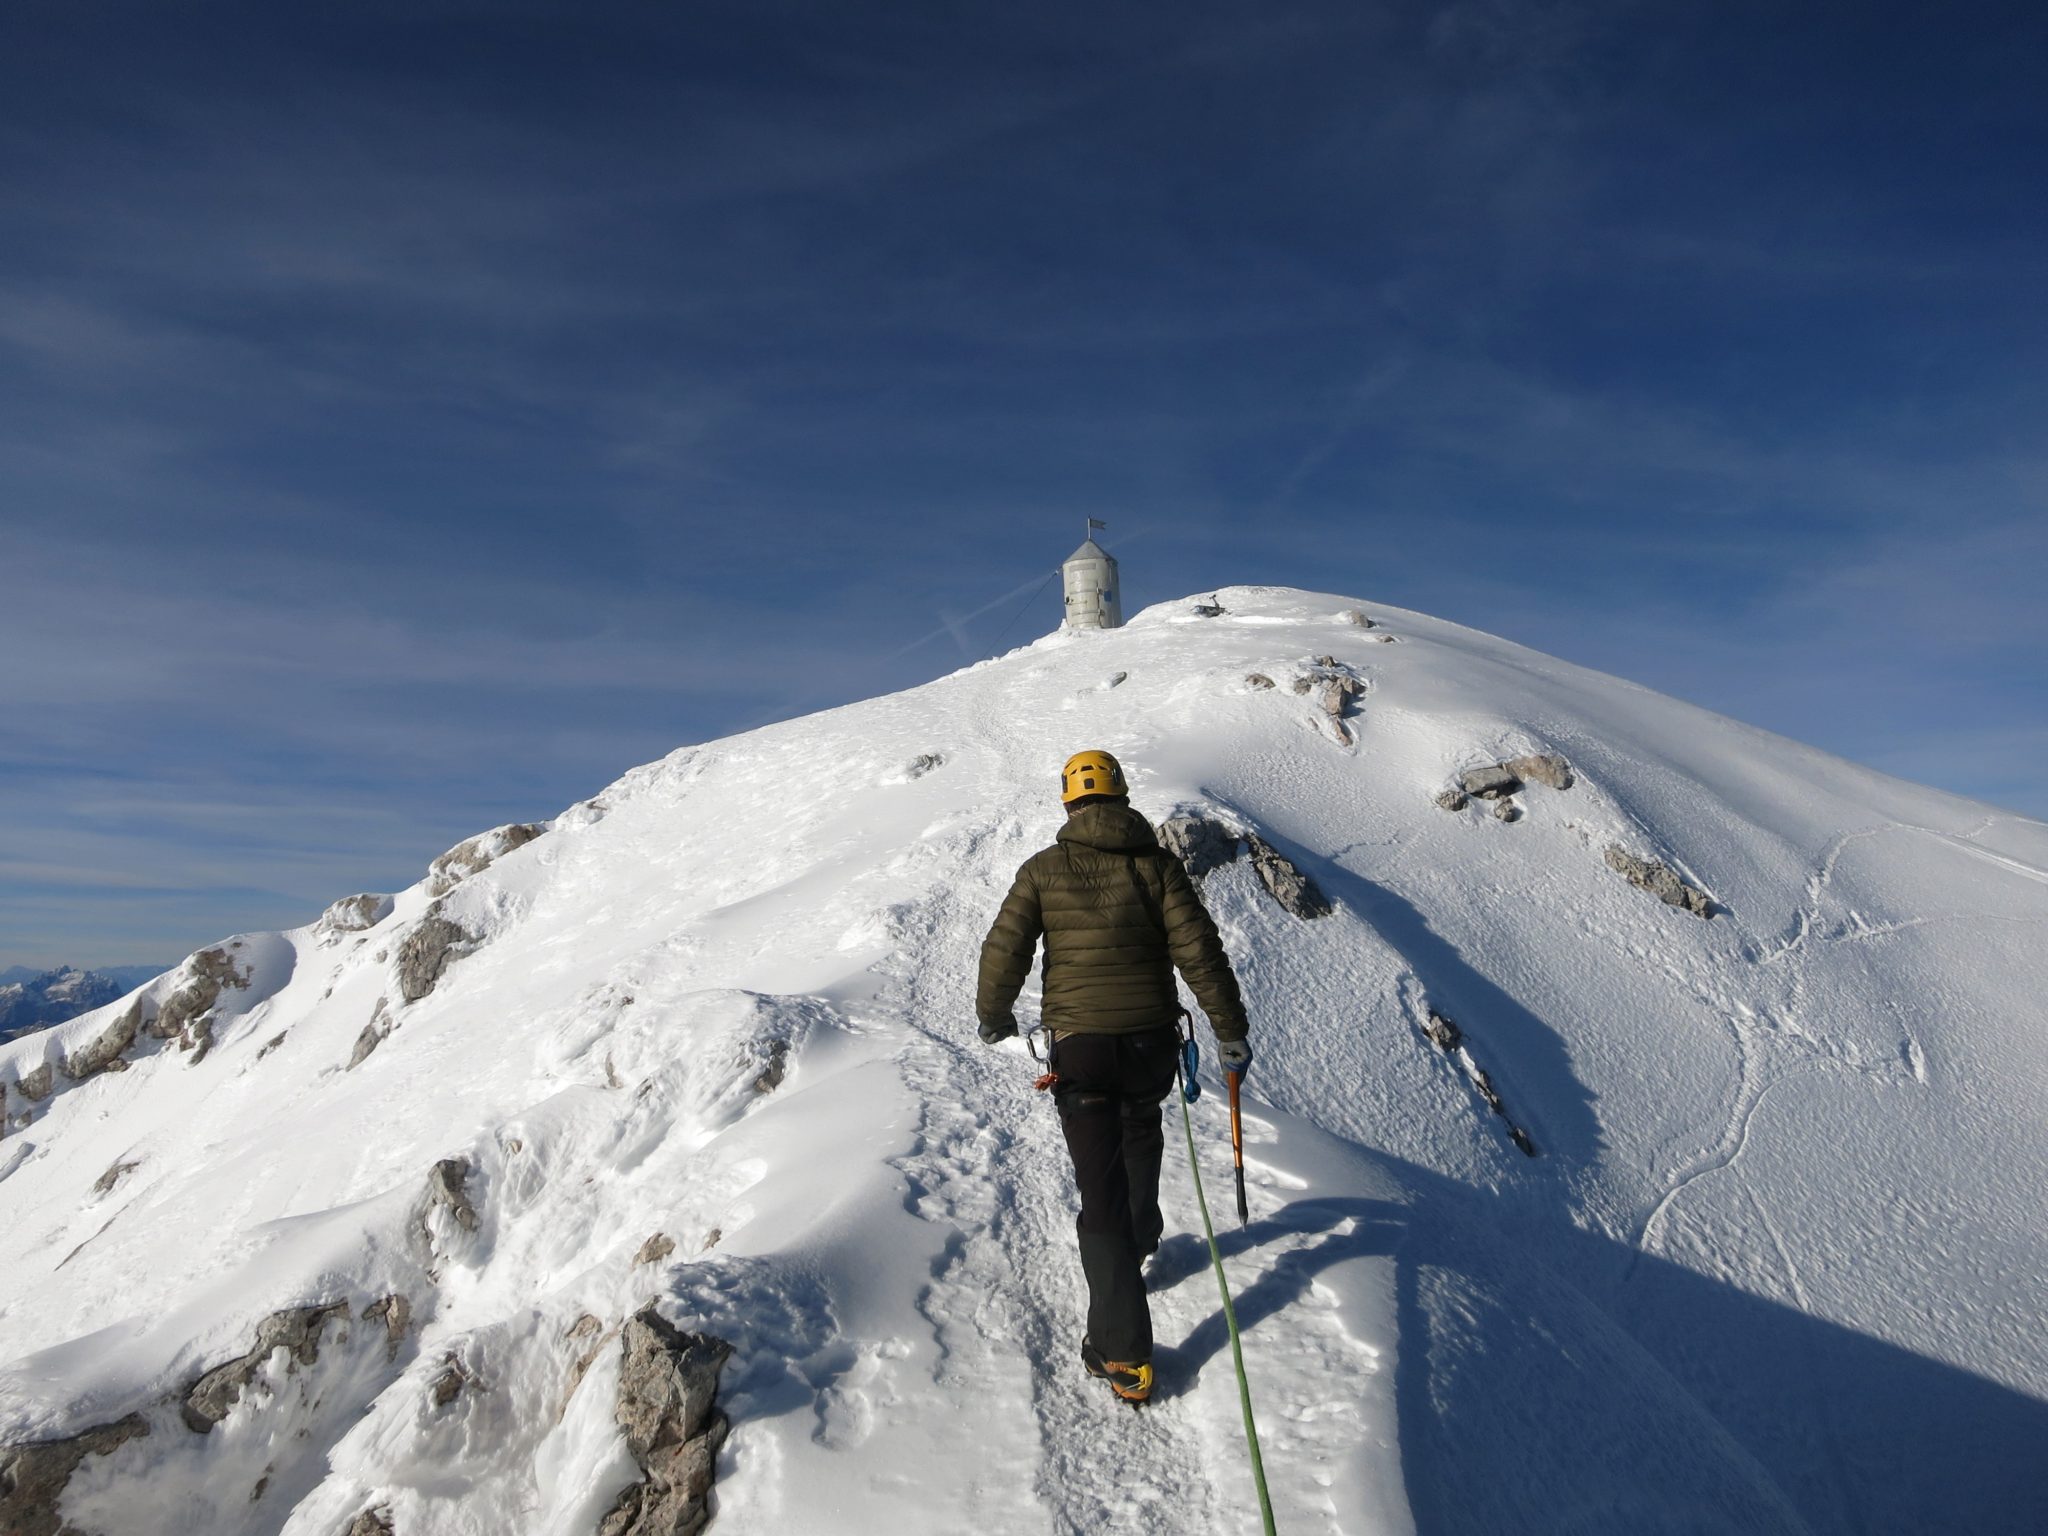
(1109, 1091)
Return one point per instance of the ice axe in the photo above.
(1233, 1079)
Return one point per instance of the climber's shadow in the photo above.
(1352, 1228)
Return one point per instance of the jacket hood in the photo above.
(1112, 828)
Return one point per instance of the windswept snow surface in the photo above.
(1775, 1266)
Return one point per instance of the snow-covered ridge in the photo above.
(377, 1200)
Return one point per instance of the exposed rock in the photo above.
(1448, 1038)
(1287, 885)
(655, 1249)
(1116, 679)
(1490, 782)
(352, 914)
(1452, 799)
(1199, 843)
(1541, 768)
(1660, 880)
(373, 1034)
(447, 1187)
(1357, 616)
(586, 1327)
(1302, 684)
(1506, 810)
(184, 1015)
(425, 952)
(213, 1396)
(923, 764)
(477, 855)
(36, 1085)
(1337, 695)
(371, 1522)
(449, 1384)
(1209, 610)
(262, 1486)
(105, 1183)
(33, 1476)
(1327, 661)
(109, 1052)
(1382, 637)
(713, 1238)
(668, 1388)
(272, 1044)
(395, 1313)
(1257, 680)
(771, 1075)
(1204, 844)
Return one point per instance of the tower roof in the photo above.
(1090, 550)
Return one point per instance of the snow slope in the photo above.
(1774, 1265)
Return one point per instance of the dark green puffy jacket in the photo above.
(1118, 914)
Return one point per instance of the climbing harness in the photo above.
(1189, 1089)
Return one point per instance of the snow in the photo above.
(1773, 1268)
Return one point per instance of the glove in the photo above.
(1235, 1055)
(996, 1031)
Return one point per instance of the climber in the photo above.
(1118, 915)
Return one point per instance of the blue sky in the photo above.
(412, 415)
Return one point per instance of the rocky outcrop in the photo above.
(1452, 799)
(186, 1016)
(654, 1250)
(1660, 880)
(426, 952)
(1506, 810)
(771, 1074)
(1495, 781)
(394, 1313)
(1201, 843)
(373, 1035)
(371, 1522)
(1357, 617)
(923, 764)
(1204, 844)
(454, 1379)
(448, 1190)
(1545, 768)
(297, 1329)
(108, 1053)
(1293, 890)
(667, 1408)
(33, 1476)
(1257, 681)
(1492, 782)
(478, 854)
(105, 1183)
(352, 914)
(36, 1086)
(1448, 1038)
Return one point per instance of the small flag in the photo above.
(1096, 522)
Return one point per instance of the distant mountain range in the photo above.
(32, 999)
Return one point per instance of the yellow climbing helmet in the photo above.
(1091, 773)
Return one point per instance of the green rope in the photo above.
(1244, 1391)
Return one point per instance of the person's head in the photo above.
(1092, 778)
